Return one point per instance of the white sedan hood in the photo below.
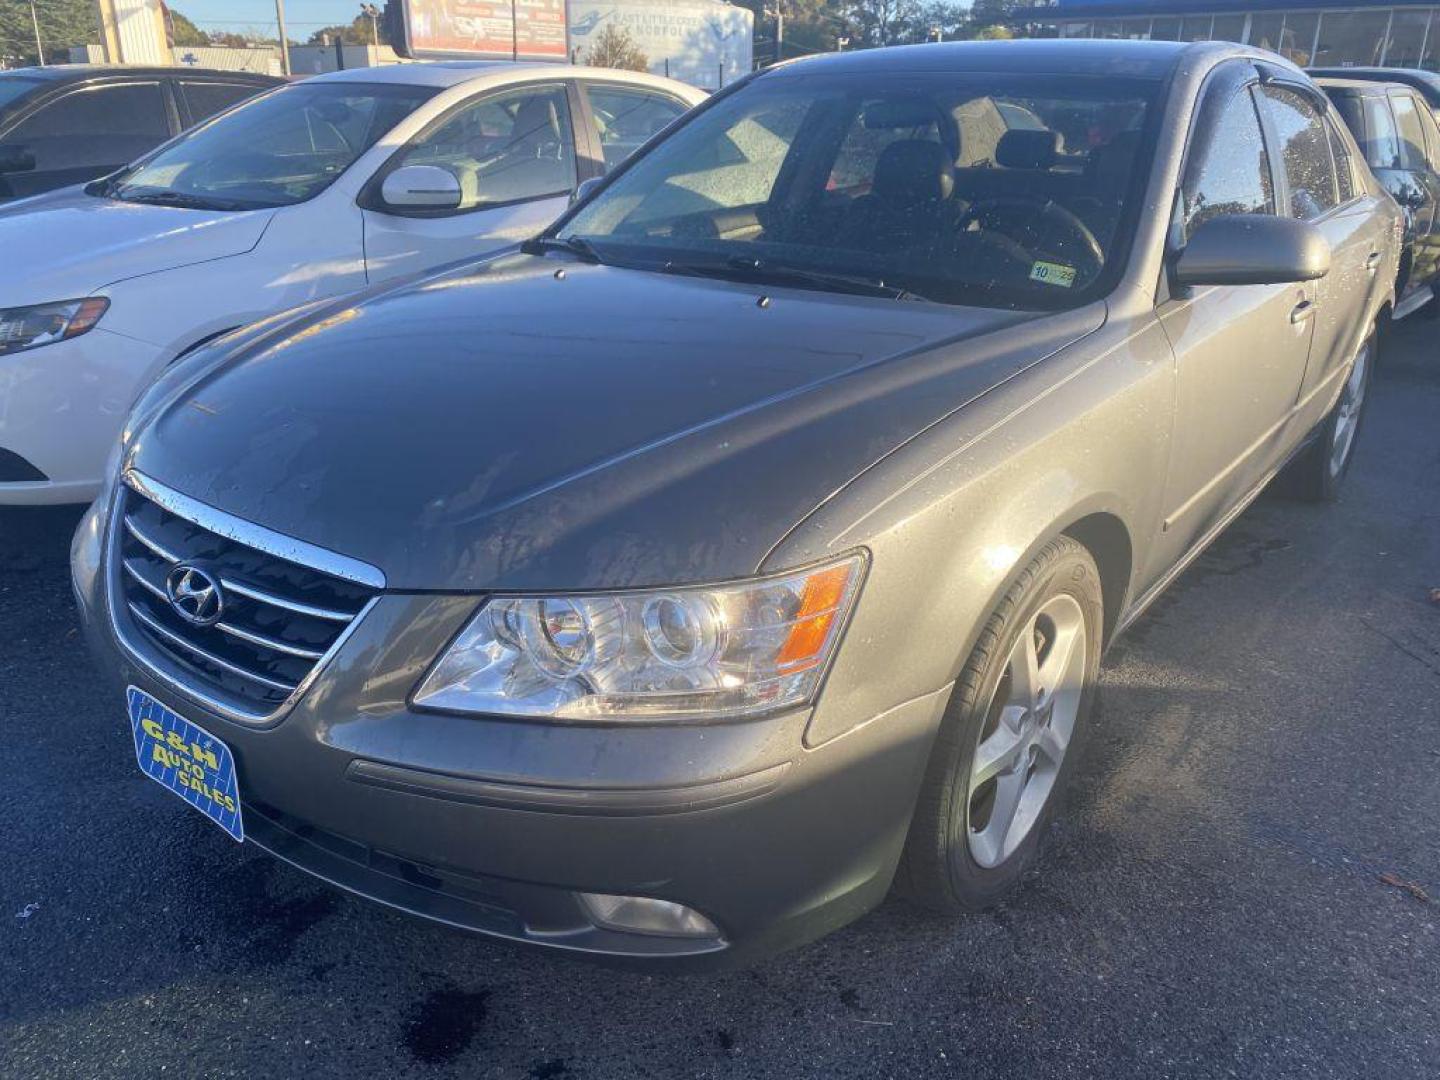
(68, 245)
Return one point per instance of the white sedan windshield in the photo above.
(274, 150)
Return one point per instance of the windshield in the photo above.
(281, 148)
(971, 188)
(15, 86)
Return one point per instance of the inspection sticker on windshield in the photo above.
(1053, 274)
(186, 759)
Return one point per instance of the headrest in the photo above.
(915, 170)
(1026, 148)
(535, 118)
(1111, 163)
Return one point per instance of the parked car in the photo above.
(1426, 82)
(1401, 143)
(66, 125)
(315, 189)
(749, 541)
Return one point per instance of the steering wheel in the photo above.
(1019, 219)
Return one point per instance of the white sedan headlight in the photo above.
(713, 652)
(44, 324)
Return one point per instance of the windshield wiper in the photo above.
(743, 267)
(183, 201)
(574, 245)
(103, 188)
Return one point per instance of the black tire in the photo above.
(1312, 475)
(938, 869)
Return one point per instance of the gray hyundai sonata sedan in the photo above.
(746, 545)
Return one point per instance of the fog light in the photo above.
(642, 915)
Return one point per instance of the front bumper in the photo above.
(495, 826)
(62, 407)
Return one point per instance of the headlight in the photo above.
(716, 652)
(45, 324)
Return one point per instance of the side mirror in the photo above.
(585, 188)
(1252, 249)
(421, 187)
(15, 159)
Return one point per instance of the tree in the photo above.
(615, 47)
(182, 31)
(946, 17)
(250, 39)
(884, 22)
(63, 23)
(994, 33)
(811, 26)
(996, 12)
(359, 32)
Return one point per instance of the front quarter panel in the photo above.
(954, 516)
(309, 251)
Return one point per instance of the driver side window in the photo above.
(1229, 169)
(504, 148)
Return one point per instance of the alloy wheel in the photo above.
(1347, 417)
(1027, 731)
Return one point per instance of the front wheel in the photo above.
(1010, 736)
(1316, 473)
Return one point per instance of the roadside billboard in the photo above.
(706, 43)
(484, 29)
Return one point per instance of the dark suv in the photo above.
(63, 126)
(1398, 134)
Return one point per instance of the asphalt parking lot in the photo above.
(1247, 883)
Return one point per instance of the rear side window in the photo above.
(625, 118)
(1432, 135)
(1412, 139)
(1344, 168)
(205, 99)
(1303, 148)
(1229, 169)
(1381, 141)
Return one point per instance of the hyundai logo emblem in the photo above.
(195, 595)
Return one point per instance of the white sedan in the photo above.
(317, 188)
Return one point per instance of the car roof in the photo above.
(1427, 82)
(1368, 87)
(1052, 56)
(1369, 74)
(57, 73)
(447, 73)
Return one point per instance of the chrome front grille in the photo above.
(278, 618)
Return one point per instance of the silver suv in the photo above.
(748, 542)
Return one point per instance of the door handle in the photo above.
(1372, 262)
(1302, 311)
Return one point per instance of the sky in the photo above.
(302, 17)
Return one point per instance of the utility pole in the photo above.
(284, 39)
(35, 22)
(778, 14)
(371, 12)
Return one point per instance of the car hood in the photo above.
(515, 426)
(70, 244)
